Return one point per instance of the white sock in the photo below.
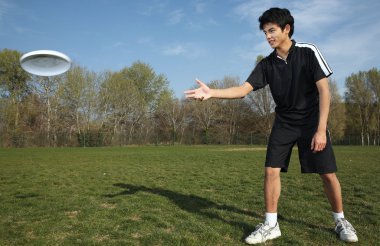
(337, 216)
(271, 219)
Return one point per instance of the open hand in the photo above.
(202, 93)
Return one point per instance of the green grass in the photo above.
(174, 195)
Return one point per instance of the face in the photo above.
(274, 35)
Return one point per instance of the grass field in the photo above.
(174, 195)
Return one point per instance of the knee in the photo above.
(272, 173)
(328, 177)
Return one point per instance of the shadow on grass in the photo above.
(25, 196)
(296, 222)
(191, 203)
(201, 206)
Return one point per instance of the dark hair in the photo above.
(281, 17)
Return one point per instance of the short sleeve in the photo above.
(257, 77)
(319, 66)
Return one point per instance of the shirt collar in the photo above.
(274, 53)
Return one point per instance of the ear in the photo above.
(287, 29)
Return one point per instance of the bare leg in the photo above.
(272, 189)
(333, 192)
(270, 229)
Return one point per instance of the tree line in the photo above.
(136, 106)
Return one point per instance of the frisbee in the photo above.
(45, 62)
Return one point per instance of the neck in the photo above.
(283, 49)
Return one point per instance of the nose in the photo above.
(268, 36)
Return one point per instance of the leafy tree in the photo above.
(46, 88)
(170, 114)
(263, 104)
(359, 97)
(148, 84)
(204, 114)
(78, 100)
(13, 83)
(231, 112)
(374, 84)
(130, 96)
(337, 123)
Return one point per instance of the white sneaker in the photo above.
(262, 233)
(346, 231)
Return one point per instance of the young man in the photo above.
(297, 76)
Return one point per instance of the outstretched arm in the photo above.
(203, 92)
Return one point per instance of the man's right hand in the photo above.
(202, 93)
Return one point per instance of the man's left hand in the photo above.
(318, 143)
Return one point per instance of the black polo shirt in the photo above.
(293, 82)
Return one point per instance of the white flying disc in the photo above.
(45, 62)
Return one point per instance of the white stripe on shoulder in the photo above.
(321, 60)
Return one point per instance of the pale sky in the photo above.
(184, 40)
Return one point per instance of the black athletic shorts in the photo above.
(282, 139)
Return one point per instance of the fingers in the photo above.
(320, 146)
(192, 94)
(195, 97)
(200, 83)
(196, 93)
(317, 146)
(189, 92)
